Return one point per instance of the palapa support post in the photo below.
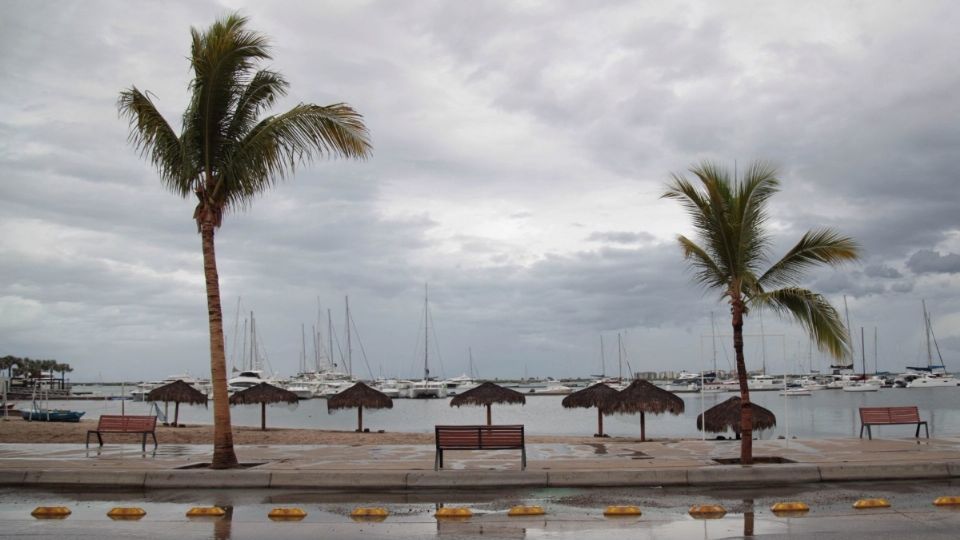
(490, 417)
(643, 427)
(360, 419)
(176, 414)
(600, 421)
(263, 416)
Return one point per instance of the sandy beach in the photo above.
(16, 430)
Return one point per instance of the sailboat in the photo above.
(428, 387)
(933, 375)
(862, 385)
(40, 413)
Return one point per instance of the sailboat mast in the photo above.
(603, 360)
(346, 300)
(426, 334)
(863, 353)
(330, 335)
(763, 348)
(846, 312)
(876, 355)
(303, 348)
(713, 342)
(254, 353)
(926, 327)
(619, 359)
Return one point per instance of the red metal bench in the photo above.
(508, 437)
(884, 416)
(111, 423)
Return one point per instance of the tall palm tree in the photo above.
(226, 155)
(729, 217)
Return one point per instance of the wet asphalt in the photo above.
(571, 513)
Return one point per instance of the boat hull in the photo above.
(52, 416)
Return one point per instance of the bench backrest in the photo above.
(889, 415)
(506, 436)
(112, 422)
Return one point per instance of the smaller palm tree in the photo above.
(729, 217)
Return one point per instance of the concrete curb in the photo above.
(714, 475)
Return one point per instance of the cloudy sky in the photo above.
(520, 149)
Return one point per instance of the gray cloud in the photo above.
(621, 237)
(926, 261)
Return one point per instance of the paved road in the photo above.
(572, 513)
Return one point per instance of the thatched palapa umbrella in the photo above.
(599, 395)
(645, 397)
(177, 392)
(726, 415)
(359, 396)
(263, 393)
(487, 394)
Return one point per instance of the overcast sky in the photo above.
(520, 149)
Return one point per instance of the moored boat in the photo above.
(51, 415)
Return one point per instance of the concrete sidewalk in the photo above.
(399, 467)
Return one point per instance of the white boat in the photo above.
(427, 389)
(763, 382)
(244, 380)
(390, 387)
(933, 375)
(933, 380)
(555, 390)
(861, 386)
(460, 384)
(144, 388)
(302, 391)
(796, 392)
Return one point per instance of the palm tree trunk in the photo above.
(746, 410)
(223, 455)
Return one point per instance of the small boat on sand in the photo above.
(51, 415)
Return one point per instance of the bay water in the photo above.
(825, 414)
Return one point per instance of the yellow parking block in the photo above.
(369, 514)
(792, 506)
(871, 503)
(206, 511)
(132, 513)
(526, 511)
(50, 512)
(617, 511)
(707, 511)
(947, 501)
(453, 512)
(287, 514)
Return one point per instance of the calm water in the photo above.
(827, 413)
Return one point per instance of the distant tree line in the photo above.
(31, 369)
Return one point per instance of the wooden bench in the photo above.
(885, 416)
(508, 437)
(111, 423)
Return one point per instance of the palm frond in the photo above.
(706, 271)
(221, 57)
(152, 136)
(262, 92)
(822, 246)
(759, 183)
(815, 315)
(275, 146)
